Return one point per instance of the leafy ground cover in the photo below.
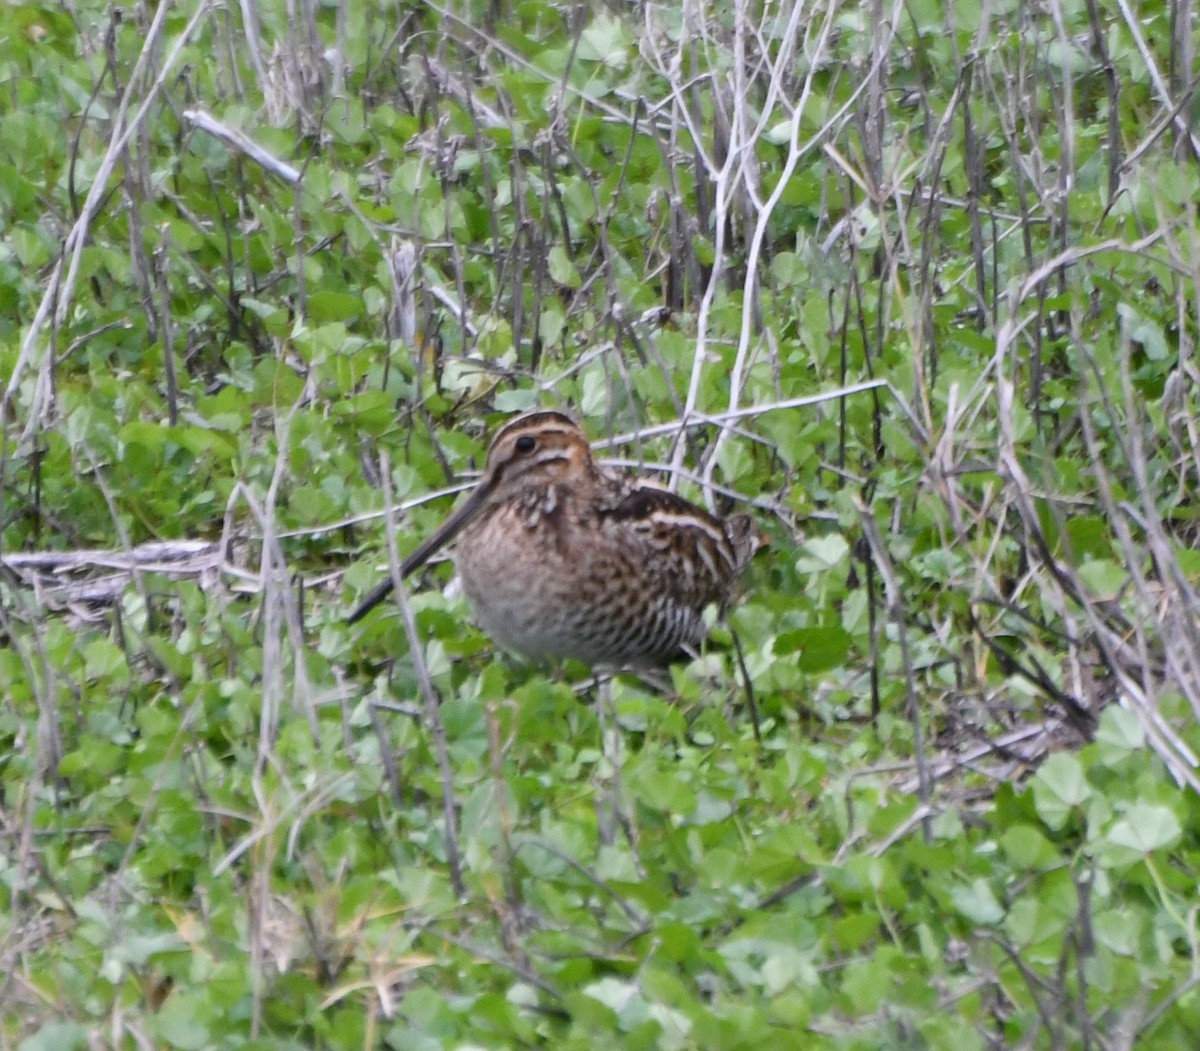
(916, 284)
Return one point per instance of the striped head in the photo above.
(532, 451)
(536, 448)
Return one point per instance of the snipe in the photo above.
(560, 558)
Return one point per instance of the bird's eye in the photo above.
(525, 444)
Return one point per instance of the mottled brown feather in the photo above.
(560, 558)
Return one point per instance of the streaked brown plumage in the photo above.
(560, 558)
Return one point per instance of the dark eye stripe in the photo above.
(520, 465)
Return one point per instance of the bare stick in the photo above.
(243, 144)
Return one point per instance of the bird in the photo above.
(563, 559)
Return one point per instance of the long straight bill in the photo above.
(441, 536)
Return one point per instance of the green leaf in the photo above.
(614, 993)
(977, 903)
(1089, 537)
(1059, 788)
(781, 133)
(1146, 828)
(1121, 728)
(327, 306)
(515, 401)
(662, 790)
(867, 984)
(1104, 578)
(137, 949)
(822, 553)
(177, 1028)
(604, 41)
(1027, 847)
(105, 660)
(818, 648)
(1144, 331)
(56, 1036)
(562, 269)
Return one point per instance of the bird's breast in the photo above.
(549, 577)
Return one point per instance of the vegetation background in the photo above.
(917, 281)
